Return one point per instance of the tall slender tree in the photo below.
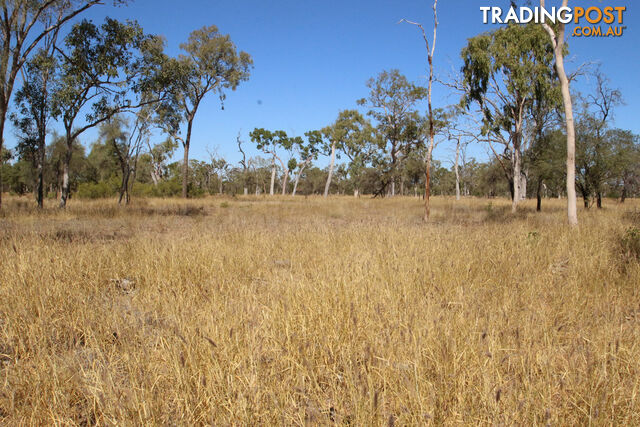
(23, 25)
(557, 35)
(212, 64)
(430, 53)
(34, 106)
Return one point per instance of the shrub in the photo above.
(90, 190)
(630, 244)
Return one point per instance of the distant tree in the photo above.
(596, 155)
(546, 158)
(391, 102)
(308, 152)
(127, 141)
(349, 129)
(626, 149)
(269, 143)
(245, 166)
(212, 63)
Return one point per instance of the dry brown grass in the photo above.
(293, 311)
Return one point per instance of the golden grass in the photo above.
(293, 311)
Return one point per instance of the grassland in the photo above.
(306, 311)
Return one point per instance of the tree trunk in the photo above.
(623, 196)
(295, 186)
(185, 164)
(539, 195)
(65, 189)
(284, 182)
(516, 167)
(246, 191)
(356, 193)
(273, 175)
(3, 115)
(599, 199)
(558, 44)
(523, 186)
(66, 161)
(41, 159)
(427, 190)
(124, 189)
(333, 160)
(457, 171)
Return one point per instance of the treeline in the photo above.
(613, 168)
(116, 78)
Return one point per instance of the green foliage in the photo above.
(99, 190)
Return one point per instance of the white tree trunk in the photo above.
(333, 160)
(273, 176)
(284, 182)
(523, 186)
(516, 178)
(558, 44)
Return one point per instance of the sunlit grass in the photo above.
(263, 310)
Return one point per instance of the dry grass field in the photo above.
(305, 311)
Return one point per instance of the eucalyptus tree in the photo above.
(106, 69)
(349, 129)
(627, 162)
(307, 152)
(601, 104)
(269, 143)
(212, 63)
(557, 34)
(23, 26)
(126, 142)
(504, 71)
(158, 156)
(391, 101)
(33, 100)
(545, 159)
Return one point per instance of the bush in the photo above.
(90, 190)
(630, 244)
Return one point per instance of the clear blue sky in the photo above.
(312, 58)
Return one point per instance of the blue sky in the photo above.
(312, 58)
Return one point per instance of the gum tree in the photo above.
(557, 41)
(106, 69)
(504, 71)
(212, 63)
(392, 101)
(23, 26)
(346, 130)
